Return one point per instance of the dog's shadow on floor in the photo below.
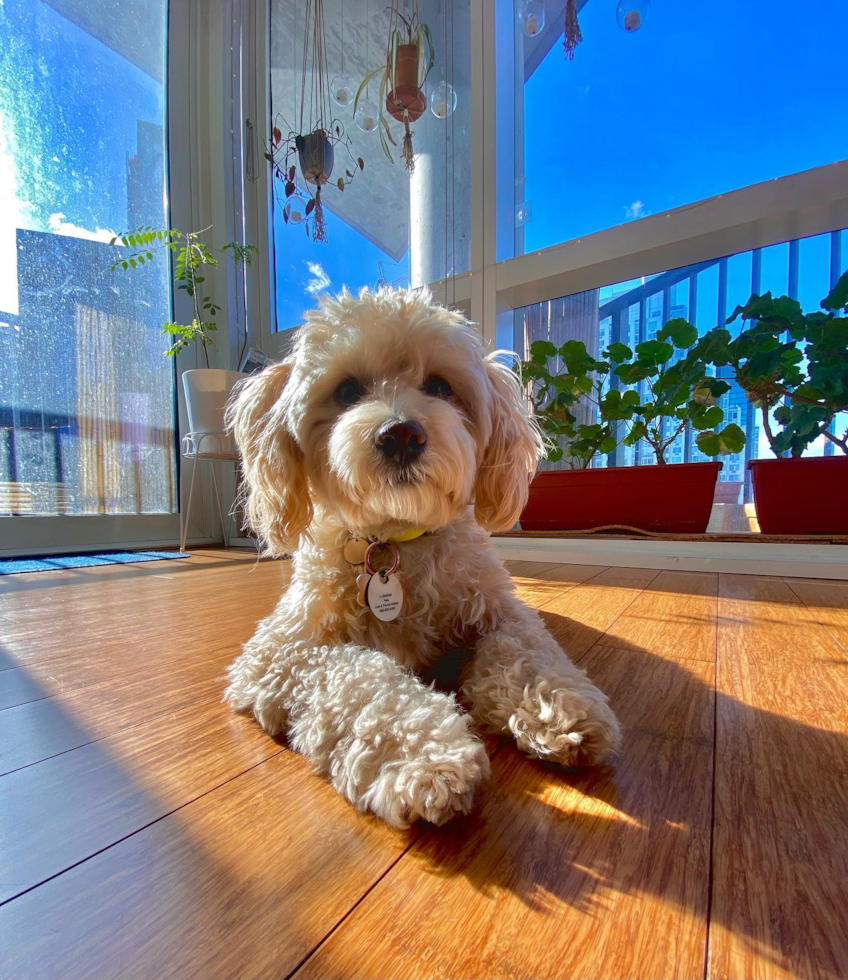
(647, 824)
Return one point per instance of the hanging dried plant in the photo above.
(408, 153)
(572, 36)
(319, 231)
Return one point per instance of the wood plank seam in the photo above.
(711, 852)
(138, 830)
(105, 735)
(129, 672)
(428, 831)
(812, 609)
(615, 620)
(361, 899)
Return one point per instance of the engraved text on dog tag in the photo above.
(354, 550)
(385, 596)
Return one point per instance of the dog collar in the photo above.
(410, 535)
(381, 590)
(355, 547)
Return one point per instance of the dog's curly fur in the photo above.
(341, 683)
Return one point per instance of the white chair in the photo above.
(215, 447)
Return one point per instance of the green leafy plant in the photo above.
(556, 395)
(193, 257)
(676, 394)
(793, 366)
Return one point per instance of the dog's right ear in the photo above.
(276, 497)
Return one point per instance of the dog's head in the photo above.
(386, 412)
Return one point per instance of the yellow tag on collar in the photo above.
(410, 535)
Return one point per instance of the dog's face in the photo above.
(387, 412)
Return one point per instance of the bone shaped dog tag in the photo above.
(361, 585)
(384, 595)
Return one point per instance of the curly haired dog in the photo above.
(386, 420)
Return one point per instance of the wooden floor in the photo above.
(145, 831)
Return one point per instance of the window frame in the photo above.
(55, 534)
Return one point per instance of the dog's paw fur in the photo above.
(433, 786)
(573, 726)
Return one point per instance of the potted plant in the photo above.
(409, 60)
(314, 143)
(315, 152)
(674, 397)
(793, 366)
(206, 389)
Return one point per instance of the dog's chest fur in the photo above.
(447, 578)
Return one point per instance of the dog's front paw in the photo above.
(433, 786)
(559, 721)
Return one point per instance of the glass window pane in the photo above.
(86, 393)
(387, 226)
(689, 105)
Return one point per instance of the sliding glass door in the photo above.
(87, 427)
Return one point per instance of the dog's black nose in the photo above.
(402, 441)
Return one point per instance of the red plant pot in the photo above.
(801, 496)
(407, 96)
(405, 99)
(675, 498)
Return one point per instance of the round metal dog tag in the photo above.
(354, 551)
(385, 596)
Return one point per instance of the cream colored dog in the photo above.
(388, 419)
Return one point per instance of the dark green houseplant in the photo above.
(676, 394)
(559, 380)
(793, 366)
(672, 394)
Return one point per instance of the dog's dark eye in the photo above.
(349, 392)
(437, 387)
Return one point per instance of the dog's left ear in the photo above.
(276, 497)
(511, 455)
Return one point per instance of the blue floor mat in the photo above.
(13, 566)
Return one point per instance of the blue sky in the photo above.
(704, 98)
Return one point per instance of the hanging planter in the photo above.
(311, 148)
(316, 155)
(409, 60)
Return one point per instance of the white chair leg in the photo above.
(224, 533)
(185, 520)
